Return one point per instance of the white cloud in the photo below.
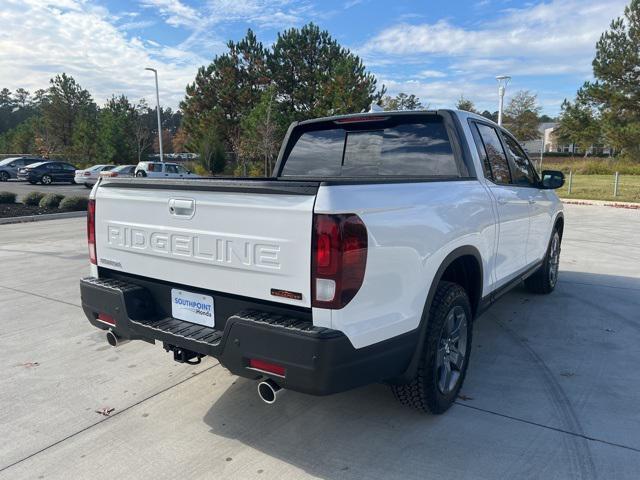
(431, 74)
(558, 34)
(81, 40)
(175, 12)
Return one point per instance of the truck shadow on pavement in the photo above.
(537, 386)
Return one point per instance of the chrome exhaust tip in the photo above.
(268, 391)
(114, 340)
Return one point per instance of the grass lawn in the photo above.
(600, 187)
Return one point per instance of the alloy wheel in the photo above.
(452, 349)
(554, 259)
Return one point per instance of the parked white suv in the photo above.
(365, 258)
(163, 170)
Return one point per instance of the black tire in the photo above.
(88, 185)
(141, 173)
(424, 391)
(545, 279)
(4, 176)
(46, 180)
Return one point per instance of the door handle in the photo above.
(532, 201)
(180, 207)
(501, 201)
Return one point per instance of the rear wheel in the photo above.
(46, 180)
(445, 353)
(141, 173)
(544, 280)
(4, 176)
(88, 185)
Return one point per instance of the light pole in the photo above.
(503, 81)
(155, 72)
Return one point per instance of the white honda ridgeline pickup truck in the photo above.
(364, 258)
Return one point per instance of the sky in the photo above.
(437, 50)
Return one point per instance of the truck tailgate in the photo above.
(248, 238)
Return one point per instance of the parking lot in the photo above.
(553, 389)
(22, 188)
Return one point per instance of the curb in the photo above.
(601, 203)
(39, 218)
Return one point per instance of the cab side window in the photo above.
(494, 154)
(523, 173)
(171, 169)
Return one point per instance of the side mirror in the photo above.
(189, 172)
(552, 179)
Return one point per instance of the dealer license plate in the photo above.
(192, 307)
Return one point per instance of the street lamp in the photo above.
(155, 72)
(503, 81)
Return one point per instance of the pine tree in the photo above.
(616, 89)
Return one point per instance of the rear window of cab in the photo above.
(391, 146)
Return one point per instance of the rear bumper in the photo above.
(317, 361)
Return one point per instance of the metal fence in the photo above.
(602, 187)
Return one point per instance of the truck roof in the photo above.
(395, 113)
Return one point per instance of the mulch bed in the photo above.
(22, 210)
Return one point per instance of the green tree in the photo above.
(116, 132)
(6, 110)
(491, 116)
(23, 138)
(225, 91)
(315, 76)
(466, 105)
(262, 132)
(143, 125)
(84, 135)
(579, 125)
(521, 115)
(66, 102)
(402, 101)
(616, 89)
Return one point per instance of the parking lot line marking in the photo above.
(106, 419)
(549, 427)
(17, 290)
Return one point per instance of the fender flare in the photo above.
(559, 217)
(424, 320)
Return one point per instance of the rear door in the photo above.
(526, 178)
(512, 204)
(251, 239)
(55, 170)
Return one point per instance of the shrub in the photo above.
(51, 200)
(75, 203)
(33, 198)
(7, 197)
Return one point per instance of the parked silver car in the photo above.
(9, 166)
(119, 171)
(89, 176)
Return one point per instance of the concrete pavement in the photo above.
(552, 392)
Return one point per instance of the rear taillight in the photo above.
(87, 174)
(103, 317)
(91, 231)
(267, 367)
(339, 259)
